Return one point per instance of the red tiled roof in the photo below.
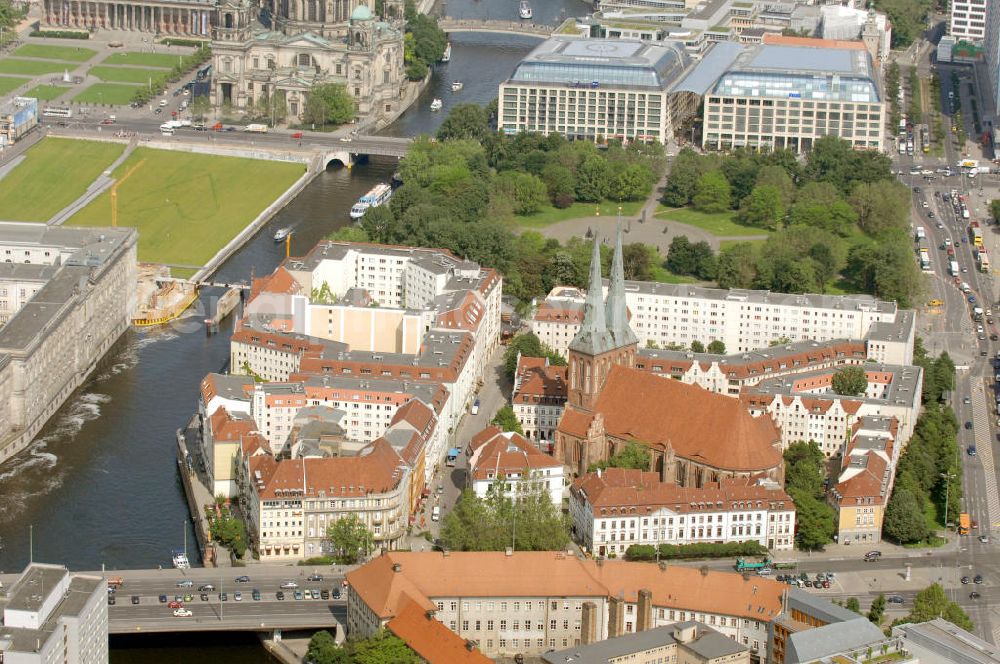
(540, 380)
(705, 427)
(865, 484)
(279, 281)
(509, 454)
(434, 642)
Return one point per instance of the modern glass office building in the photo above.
(787, 96)
(595, 89)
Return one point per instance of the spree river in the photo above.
(99, 486)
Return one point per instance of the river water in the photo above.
(99, 486)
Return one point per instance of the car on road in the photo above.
(223, 597)
(315, 593)
(230, 128)
(984, 539)
(307, 594)
(994, 337)
(967, 400)
(298, 594)
(174, 605)
(203, 597)
(966, 580)
(971, 450)
(872, 556)
(940, 225)
(289, 585)
(978, 580)
(314, 577)
(135, 599)
(324, 594)
(186, 583)
(238, 596)
(163, 599)
(256, 595)
(972, 299)
(182, 613)
(974, 595)
(188, 597)
(206, 587)
(243, 579)
(968, 425)
(297, 134)
(279, 595)
(895, 599)
(345, 139)
(336, 593)
(924, 204)
(111, 600)
(158, 111)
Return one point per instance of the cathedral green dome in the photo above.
(361, 13)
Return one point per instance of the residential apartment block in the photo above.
(66, 295)
(664, 315)
(538, 399)
(614, 509)
(967, 20)
(53, 615)
(510, 464)
(531, 602)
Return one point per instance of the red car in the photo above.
(175, 605)
(107, 121)
(297, 134)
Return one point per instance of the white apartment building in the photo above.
(594, 89)
(51, 615)
(614, 509)
(531, 602)
(56, 336)
(967, 20)
(538, 399)
(663, 315)
(788, 92)
(291, 503)
(513, 465)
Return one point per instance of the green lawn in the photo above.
(142, 59)
(32, 67)
(188, 206)
(46, 92)
(551, 215)
(30, 192)
(49, 52)
(8, 83)
(721, 223)
(126, 74)
(116, 94)
(725, 244)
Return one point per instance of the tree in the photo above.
(560, 183)
(630, 182)
(717, 347)
(465, 121)
(683, 178)
(931, 603)
(490, 523)
(686, 258)
(633, 455)
(881, 206)
(777, 177)
(592, 179)
(712, 193)
(904, 517)
(804, 473)
(329, 103)
(383, 648)
(697, 347)
(853, 605)
(526, 192)
(736, 266)
(762, 208)
(323, 650)
(851, 381)
(528, 345)
(877, 611)
(350, 539)
(507, 420)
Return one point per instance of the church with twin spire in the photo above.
(693, 436)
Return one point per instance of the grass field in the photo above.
(551, 215)
(721, 223)
(8, 83)
(117, 94)
(188, 206)
(46, 92)
(126, 74)
(29, 192)
(141, 59)
(50, 52)
(32, 67)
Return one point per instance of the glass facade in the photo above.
(830, 88)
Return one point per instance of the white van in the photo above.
(436, 513)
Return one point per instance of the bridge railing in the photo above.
(494, 25)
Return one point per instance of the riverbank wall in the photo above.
(186, 470)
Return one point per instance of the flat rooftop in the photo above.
(29, 592)
(901, 391)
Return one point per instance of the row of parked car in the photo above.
(803, 580)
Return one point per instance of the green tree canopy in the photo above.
(465, 121)
(717, 347)
(851, 381)
(763, 208)
(712, 193)
(492, 523)
(804, 474)
(528, 345)
(350, 538)
(931, 603)
(323, 650)
(329, 103)
(382, 648)
(507, 420)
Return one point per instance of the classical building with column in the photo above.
(307, 43)
(171, 17)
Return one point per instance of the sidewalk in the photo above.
(852, 551)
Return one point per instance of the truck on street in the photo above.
(256, 128)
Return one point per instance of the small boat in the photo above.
(524, 9)
(436, 105)
(375, 197)
(446, 57)
(456, 86)
(180, 559)
(281, 234)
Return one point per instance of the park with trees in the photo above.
(496, 522)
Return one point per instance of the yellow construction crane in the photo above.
(114, 192)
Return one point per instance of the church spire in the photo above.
(617, 313)
(594, 337)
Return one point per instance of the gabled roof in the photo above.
(506, 455)
(434, 642)
(709, 428)
(279, 281)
